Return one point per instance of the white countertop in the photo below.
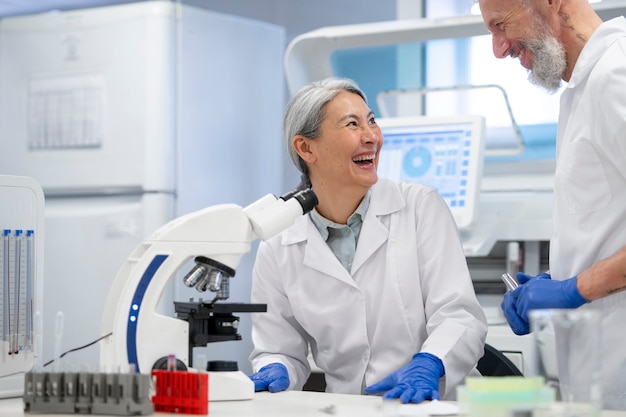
(288, 403)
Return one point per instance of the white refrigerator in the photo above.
(129, 116)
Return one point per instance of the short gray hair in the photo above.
(305, 112)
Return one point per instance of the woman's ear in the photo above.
(302, 146)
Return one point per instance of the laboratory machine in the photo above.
(445, 153)
(215, 238)
(130, 116)
(21, 283)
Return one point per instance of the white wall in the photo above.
(301, 16)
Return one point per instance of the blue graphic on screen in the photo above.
(417, 161)
(435, 156)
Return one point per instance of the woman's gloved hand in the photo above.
(415, 382)
(273, 378)
(535, 293)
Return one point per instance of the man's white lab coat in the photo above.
(590, 185)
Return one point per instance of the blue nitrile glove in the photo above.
(273, 378)
(536, 293)
(415, 382)
(523, 278)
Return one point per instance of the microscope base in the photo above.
(230, 386)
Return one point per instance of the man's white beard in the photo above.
(549, 63)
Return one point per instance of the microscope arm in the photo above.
(222, 233)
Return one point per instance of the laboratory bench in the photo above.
(287, 404)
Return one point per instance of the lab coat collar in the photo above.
(603, 36)
(304, 230)
(386, 199)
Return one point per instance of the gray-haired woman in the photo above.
(374, 280)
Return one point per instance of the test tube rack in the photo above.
(87, 393)
(21, 283)
(181, 392)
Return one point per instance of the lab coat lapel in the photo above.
(373, 235)
(317, 254)
(385, 199)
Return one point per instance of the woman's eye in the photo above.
(373, 121)
(500, 26)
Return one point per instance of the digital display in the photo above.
(437, 157)
(445, 155)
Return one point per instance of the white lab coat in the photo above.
(409, 290)
(590, 185)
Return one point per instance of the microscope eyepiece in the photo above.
(306, 198)
(289, 194)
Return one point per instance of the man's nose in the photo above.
(501, 46)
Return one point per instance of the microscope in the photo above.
(215, 238)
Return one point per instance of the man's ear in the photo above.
(554, 5)
(302, 146)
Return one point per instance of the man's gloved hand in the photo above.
(523, 278)
(535, 293)
(415, 382)
(273, 378)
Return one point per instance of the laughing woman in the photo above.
(374, 280)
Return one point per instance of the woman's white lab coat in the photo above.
(590, 185)
(409, 290)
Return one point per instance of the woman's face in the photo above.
(346, 152)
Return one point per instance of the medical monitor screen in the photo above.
(443, 153)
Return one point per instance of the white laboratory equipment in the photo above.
(445, 153)
(129, 116)
(21, 270)
(215, 238)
